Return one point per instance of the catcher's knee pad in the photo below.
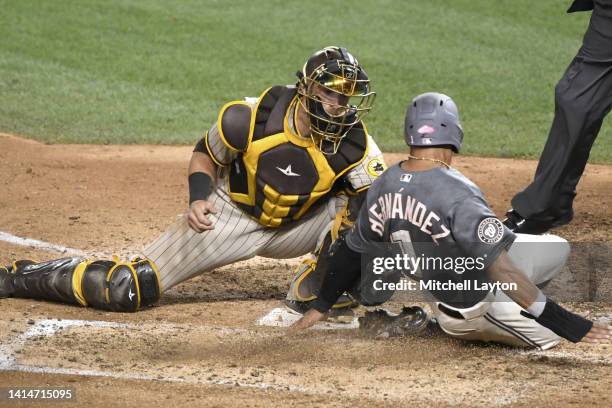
(304, 282)
(309, 276)
(117, 286)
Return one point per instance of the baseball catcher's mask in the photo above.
(335, 92)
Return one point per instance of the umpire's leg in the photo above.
(583, 98)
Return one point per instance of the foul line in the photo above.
(34, 243)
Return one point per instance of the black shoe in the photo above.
(7, 286)
(517, 224)
(6, 283)
(566, 218)
(297, 306)
(342, 308)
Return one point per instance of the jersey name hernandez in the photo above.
(442, 215)
(404, 207)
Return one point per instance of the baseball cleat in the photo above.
(382, 324)
(19, 265)
(6, 283)
(517, 224)
(7, 286)
(296, 306)
(520, 225)
(342, 308)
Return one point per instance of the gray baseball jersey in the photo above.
(446, 220)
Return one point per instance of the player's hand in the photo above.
(599, 333)
(309, 319)
(198, 218)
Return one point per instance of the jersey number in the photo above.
(403, 239)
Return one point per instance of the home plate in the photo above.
(281, 317)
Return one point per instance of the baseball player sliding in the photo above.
(271, 178)
(435, 212)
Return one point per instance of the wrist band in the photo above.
(562, 322)
(537, 307)
(200, 186)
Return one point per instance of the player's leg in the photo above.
(180, 253)
(541, 257)
(501, 322)
(306, 237)
(176, 256)
(309, 236)
(583, 98)
(109, 285)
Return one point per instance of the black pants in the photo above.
(583, 97)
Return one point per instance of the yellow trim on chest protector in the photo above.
(276, 207)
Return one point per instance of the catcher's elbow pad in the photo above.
(117, 286)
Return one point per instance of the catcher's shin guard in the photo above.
(50, 280)
(108, 285)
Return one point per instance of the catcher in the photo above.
(431, 209)
(271, 178)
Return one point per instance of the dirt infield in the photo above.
(201, 346)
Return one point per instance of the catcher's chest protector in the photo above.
(278, 175)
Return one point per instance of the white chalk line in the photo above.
(50, 327)
(144, 377)
(34, 243)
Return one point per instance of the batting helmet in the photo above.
(432, 119)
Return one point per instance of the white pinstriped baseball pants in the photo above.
(541, 257)
(180, 253)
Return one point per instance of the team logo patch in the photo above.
(406, 178)
(490, 230)
(376, 167)
(426, 130)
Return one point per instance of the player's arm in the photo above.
(218, 148)
(470, 217)
(202, 178)
(210, 153)
(545, 311)
(360, 177)
(343, 268)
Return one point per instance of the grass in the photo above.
(126, 71)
